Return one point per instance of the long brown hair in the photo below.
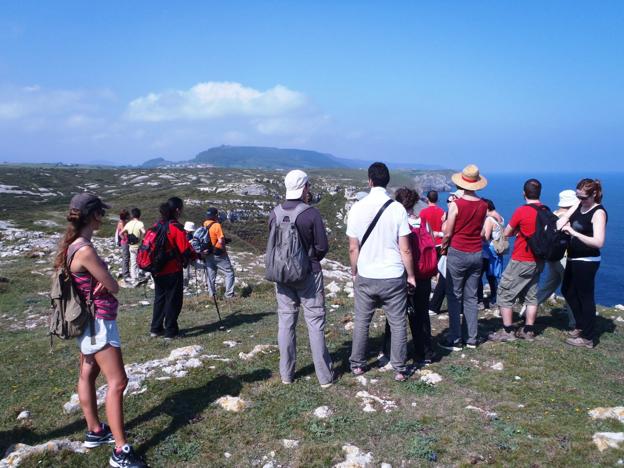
(591, 187)
(76, 221)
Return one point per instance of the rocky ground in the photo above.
(214, 396)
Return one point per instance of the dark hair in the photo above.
(406, 197)
(136, 213)
(533, 189)
(591, 187)
(432, 196)
(77, 221)
(378, 174)
(490, 204)
(124, 215)
(168, 210)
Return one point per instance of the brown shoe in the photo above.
(574, 333)
(580, 342)
(525, 335)
(501, 336)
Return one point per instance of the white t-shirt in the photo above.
(380, 257)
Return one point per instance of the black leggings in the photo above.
(492, 281)
(419, 322)
(578, 290)
(168, 291)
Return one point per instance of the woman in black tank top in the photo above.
(586, 224)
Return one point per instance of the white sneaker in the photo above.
(432, 313)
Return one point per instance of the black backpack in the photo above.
(548, 243)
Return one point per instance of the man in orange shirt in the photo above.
(219, 259)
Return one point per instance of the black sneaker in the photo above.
(450, 345)
(95, 439)
(126, 458)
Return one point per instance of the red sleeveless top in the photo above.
(466, 235)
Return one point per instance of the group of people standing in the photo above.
(384, 271)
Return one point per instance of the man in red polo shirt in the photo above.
(432, 215)
(521, 276)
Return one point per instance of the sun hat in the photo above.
(86, 202)
(295, 181)
(567, 198)
(189, 226)
(469, 178)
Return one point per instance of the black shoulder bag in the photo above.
(374, 222)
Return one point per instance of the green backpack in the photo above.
(70, 314)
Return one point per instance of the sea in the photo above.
(505, 190)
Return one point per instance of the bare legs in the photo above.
(110, 362)
(531, 315)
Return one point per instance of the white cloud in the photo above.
(212, 100)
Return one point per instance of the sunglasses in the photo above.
(582, 197)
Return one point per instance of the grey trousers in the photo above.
(125, 260)
(310, 294)
(463, 273)
(553, 279)
(222, 263)
(391, 295)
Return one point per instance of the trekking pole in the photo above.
(214, 297)
(196, 282)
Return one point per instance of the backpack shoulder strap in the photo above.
(71, 251)
(281, 212)
(373, 223)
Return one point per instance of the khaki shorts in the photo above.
(519, 281)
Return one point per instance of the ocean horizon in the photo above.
(505, 190)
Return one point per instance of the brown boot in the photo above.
(580, 342)
(574, 333)
(525, 335)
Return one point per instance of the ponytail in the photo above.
(77, 222)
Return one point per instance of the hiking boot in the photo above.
(525, 335)
(126, 458)
(474, 344)
(574, 333)
(580, 342)
(102, 437)
(501, 336)
(358, 371)
(450, 345)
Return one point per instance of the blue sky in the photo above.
(509, 86)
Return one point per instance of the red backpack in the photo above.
(155, 251)
(423, 252)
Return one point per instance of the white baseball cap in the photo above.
(189, 226)
(295, 182)
(567, 198)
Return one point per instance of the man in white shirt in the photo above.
(136, 232)
(378, 266)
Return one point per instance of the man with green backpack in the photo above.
(297, 243)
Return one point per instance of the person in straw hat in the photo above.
(463, 234)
